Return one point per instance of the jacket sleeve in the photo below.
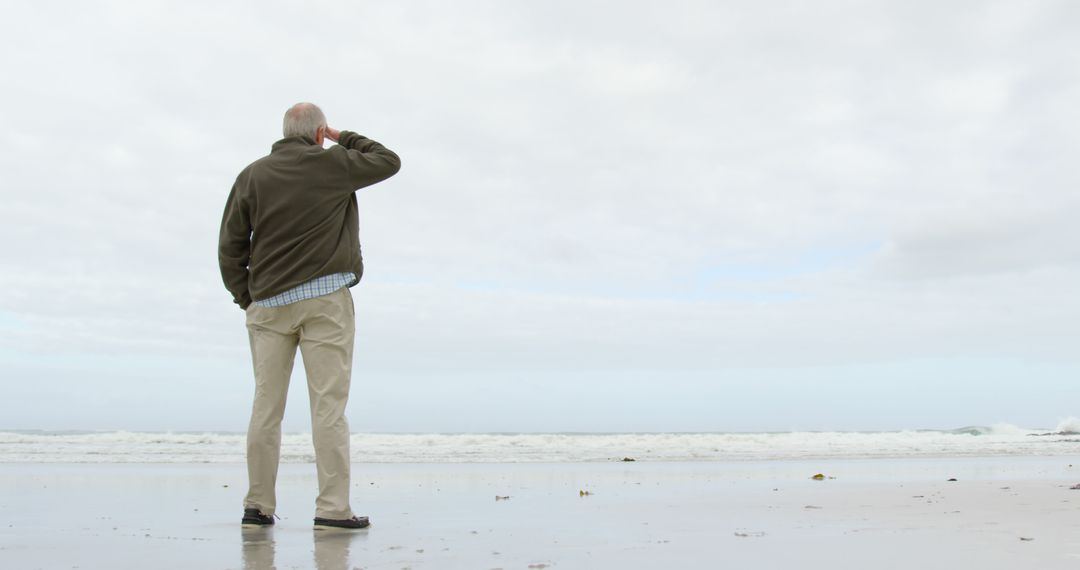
(367, 161)
(234, 247)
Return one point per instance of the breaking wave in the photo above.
(1069, 426)
(143, 447)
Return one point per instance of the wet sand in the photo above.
(880, 513)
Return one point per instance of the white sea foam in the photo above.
(1069, 425)
(138, 447)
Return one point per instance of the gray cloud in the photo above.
(586, 186)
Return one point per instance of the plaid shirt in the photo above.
(317, 287)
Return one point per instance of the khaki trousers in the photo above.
(323, 328)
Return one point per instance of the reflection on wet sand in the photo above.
(332, 548)
(258, 548)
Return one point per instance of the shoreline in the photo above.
(139, 447)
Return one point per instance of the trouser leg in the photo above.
(326, 343)
(273, 350)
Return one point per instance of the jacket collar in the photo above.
(288, 142)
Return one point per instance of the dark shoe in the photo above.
(353, 523)
(255, 517)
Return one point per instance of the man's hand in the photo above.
(332, 134)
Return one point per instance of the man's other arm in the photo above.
(234, 248)
(368, 161)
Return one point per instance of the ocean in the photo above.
(22, 446)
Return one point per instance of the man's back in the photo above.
(292, 215)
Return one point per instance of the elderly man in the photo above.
(289, 251)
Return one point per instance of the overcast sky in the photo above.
(611, 216)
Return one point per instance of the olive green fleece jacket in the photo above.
(291, 216)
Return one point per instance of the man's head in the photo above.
(305, 120)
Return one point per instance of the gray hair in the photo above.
(303, 120)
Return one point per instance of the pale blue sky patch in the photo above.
(793, 261)
(10, 321)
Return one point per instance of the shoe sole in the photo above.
(331, 527)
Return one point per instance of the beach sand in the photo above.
(880, 513)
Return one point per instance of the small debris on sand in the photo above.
(1026, 539)
(812, 507)
(749, 534)
(584, 493)
(628, 459)
(822, 477)
(951, 479)
(502, 497)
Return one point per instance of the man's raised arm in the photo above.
(369, 162)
